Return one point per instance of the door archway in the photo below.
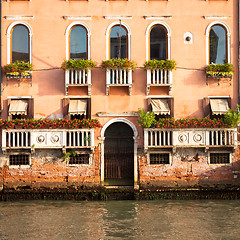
(114, 132)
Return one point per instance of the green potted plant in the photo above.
(219, 70)
(78, 64)
(115, 63)
(159, 64)
(232, 117)
(18, 69)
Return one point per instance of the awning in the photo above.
(18, 107)
(219, 106)
(160, 106)
(77, 106)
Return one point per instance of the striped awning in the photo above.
(219, 106)
(77, 106)
(160, 106)
(18, 107)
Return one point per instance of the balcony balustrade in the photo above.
(118, 77)
(47, 138)
(162, 138)
(78, 78)
(159, 77)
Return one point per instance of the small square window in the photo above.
(159, 158)
(79, 159)
(18, 160)
(219, 158)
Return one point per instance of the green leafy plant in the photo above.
(67, 155)
(232, 117)
(219, 70)
(78, 64)
(160, 64)
(18, 68)
(147, 119)
(122, 63)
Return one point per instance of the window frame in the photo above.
(168, 40)
(19, 166)
(90, 159)
(68, 33)
(228, 40)
(220, 164)
(160, 164)
(9, 40)
(108, 32)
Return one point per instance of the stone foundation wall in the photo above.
(49, 169)
(189, 168)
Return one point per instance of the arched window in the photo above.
(119, 42)
(218, 53)
(158, 43)
(78, 43)
(20, 44)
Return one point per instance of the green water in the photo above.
(120, 220)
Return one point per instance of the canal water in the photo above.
(164, 219)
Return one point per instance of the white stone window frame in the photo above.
(228, 43)
(159, 164)
(220, 164)
(67, 34)
(19, 166)
(82, 165)
(9, 33)
(149, 28)
(108, 31)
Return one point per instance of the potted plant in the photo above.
(78, 64)
(121, 63)
(18, 69)
(219, 70)
(160, 64)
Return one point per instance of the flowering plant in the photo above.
(219, 70)
(162, 64)
(192, 123)
(122, 63)
(47, 123)
(18, 68)
(78, 64)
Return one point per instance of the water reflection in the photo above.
(120, 220)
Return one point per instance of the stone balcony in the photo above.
(47, 138)
(159, 78)
(78, 78)
(189, 137)
(118, 78)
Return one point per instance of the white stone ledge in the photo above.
(126, 114)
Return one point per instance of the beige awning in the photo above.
(77, 106)
(18, 106)
(219, 106)
(160, 106)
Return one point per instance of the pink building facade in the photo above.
(192, 33)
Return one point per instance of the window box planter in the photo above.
(78, 73)
(16, 75)
(219, 71)
(118, 73)
(159, 73)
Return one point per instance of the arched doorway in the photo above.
(119, 155)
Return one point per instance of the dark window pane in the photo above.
(219, 158)
(118, 42)
(19, 160)
(20, 44)
(158, 43)
(78, 43)
(217, 42)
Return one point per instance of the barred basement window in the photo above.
(159, 158)
(219, 158)
(22, 159)
(79, 159)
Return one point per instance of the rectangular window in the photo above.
(219, 158)
(79, 159)
(17, 160)
(159, 158)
